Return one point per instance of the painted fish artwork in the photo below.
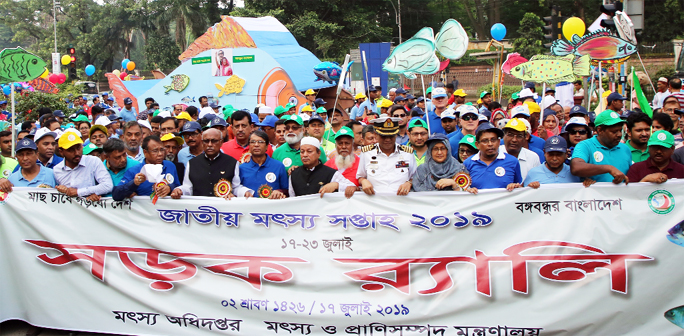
(188, 100)
(43, 85)
(452, 40)
(328, 72)
(599, 45)
(234, 84)
(549, 69)
(430, 67)
(178, 83)
(676, 233)
(676, 316)
(412, 54)
(19, 65)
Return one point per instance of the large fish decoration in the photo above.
(676, 316)
(412, 54)
(277, 89)
(599, 45)
(329, 71)
(178, 83)
(676, 233)
(430, 67)
(452, 40)
(19, 65)
(43, 85)
(234, 84)
(549, 69)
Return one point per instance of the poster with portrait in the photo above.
(222, 62)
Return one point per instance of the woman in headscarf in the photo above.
(549, 126)
(440, 167)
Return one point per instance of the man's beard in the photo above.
(132, 148)
(291, 140)
(344, 162)
(171, 157)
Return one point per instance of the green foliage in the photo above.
(531, 36)
(162, 52)
(28, 103)
(661, 16)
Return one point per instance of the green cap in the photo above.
(321, 109)
(80, 118)
(289, 106)
(279, 110)
(514, 95)
(90, 148)
(157, 111)
(344, 131)
(228, 111)
(484, 93)
(417, 122)
(661, 138)
(608, 118)
(469, 140)
(296, 118)
(429, 90)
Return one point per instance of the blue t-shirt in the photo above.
(272, 172)
(539, 153)
(116, 178)
(45, 177)
(454, 139)
(499, 174)
(593, 152)
(55, 160)
(543, 175)
(184, 155)
(127, 186)
(128, 115)
(367, 104)
(537, 143)
(435, 123)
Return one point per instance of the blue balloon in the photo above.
(7, 90)
(89, 70)
(498, 31)
(124, 63)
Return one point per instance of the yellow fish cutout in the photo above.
(234, 84)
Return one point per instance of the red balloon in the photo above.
(53, 78)
(123, 75)
(61, 78)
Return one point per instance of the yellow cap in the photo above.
(307, 108)
(516, 124)
(68, 139)
(460, 93)
(360, 95)
(309, 92)
(606, 93)
(534, 107)
(386, 103)
(184, 115)
(171, 136)
(479, 101)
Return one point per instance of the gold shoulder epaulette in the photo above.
(407, 149)
(367, 148)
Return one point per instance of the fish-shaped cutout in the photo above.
(328, 72)
(19, 65)
(277, 89)
(552, 69)
(429, 68)
(676, 233)
(234, 84)
(120, 91)
(512, 60)
(188, 100)
(43, 85)
(410, 75)
(676, 316)
(178, 83)
(599, 45)
(412, 54)
(452, 40)
(425, 33)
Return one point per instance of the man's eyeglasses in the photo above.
(469, 117)
(578, 131)
(400, 115)
(515, 135)
(292, 127)
(489, 141)
(257, 142)
(157, 151)
(211, 141)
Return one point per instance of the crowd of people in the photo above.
(394, 144)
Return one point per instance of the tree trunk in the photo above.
(180, 32)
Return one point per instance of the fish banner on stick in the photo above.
(19, 65)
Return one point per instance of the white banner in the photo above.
(561, 260)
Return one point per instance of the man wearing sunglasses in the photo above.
(469, 119)
(404, 117)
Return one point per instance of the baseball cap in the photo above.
(110, 99)
(265, 110)
(577, 121)
(420, 99)
(410, 96)
(360, 95)
(578, 109)
(58, 113)
(372, 88)
(191, 127)
(105, 94)
(429, 90)
(399, 98)
(488, 127)
(41, 132)
(26, 143)
(484, 93)
(548, 101)
(608, 118)
(113, 117)
(214, 106)
(448, 114)
(482, 117)
(280, 110)
(532, 107)
(294, 118)
(417, 110)
(522, 109)
(128, 100)
(417, 122)
(145, 123)
(308, 140)
(661, 138)
(469, 140)
(103, 121)
(228, 111)
(439, 92)
(90, 148)
(270, 121)
(555, 144)
(68, 140)
(307, 108)
(400, 91)
(386, 103)
(184, 115)
(516, 124)
(550, 90)
(321, 109)
(344, 131)
(526, 92)
(2, 102)
(309, 92)
(288, 106)
(460, 93)
(319, 102)
(467, 109)
(171, 136)
(315, 117)
(614, 96)
(216, 122)
(81, 118)
(529, 85)
(514, 96)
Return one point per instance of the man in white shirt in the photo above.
(662, 87)
(515, 133)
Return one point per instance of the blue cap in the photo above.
(191, 127)
(128, 100)
(105, 94)
(255, 118)
(410, 96)
(529, 85)
(555, 144)
(400, 91)
(420, 99)
(214, 105)
(26, 143)
(95, 96)
(58, 113)
(320, 102)
(614, 96)
(269, 121)
(113, 117)
(110, 99)
(316, 117)
(399, 98)
(217, 122)
(372, 88)
(578, 109)
(550, 90)
(417, 110)
(487, 126)
(549, 112)
(3, 102)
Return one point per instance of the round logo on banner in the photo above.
(270, 177)
(169, 178)
(287, 162)
(3, 197)
(661, 202)
(499, 171)
(598, 156)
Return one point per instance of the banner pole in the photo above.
(14, 121)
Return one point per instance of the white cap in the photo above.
(548, 101)
(68, 130)
(393, 90)
(41, 132)
(265, 110)
(166, 114)
(305, 117)
(310, 141)
(103, 121)
(576, 121)
(204, 111)
(522, 109)
(467, 109)
(663, 79)
(527, 125)
(145, 123)
(524, 93)
(448, 113)
(260, 105)
(482, 117)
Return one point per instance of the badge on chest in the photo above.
(401, 164)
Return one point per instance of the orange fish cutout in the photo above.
(43, 85)
(225, 34)
(120, 91)
(277, 89)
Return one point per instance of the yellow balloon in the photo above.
(130, 66)
(116, 72)
(66, 59)
(45, 74)
(573, 26)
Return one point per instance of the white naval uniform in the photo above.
(386, 173)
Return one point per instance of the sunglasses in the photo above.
(469, 117)
(580, 132)
(400, 116)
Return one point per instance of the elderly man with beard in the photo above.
(135, 182)
(313, 176)
(173, 143)
(288, 153)
(212, 174)
(264, 174)
(132, 136)
(238, 148)
(79, 175)
(346, 161)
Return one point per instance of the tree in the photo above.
(162, 52)
(531, 36)
(184, 14)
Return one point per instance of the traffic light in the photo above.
(72, 66)
(609, 10)
(552, 27)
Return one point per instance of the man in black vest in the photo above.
(212, 173)
(312, 176)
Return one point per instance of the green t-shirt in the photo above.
(290, 157)
(637, 154)
(7, 165)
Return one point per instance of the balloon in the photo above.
(45, 74)
(498, 31)
(116, 72)
(7, 90)
(66, 59)
(89, 70)
(53, 78)
(61, 78)
(573, 26)
(123, 75)
(124, 63)
(130, 66)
